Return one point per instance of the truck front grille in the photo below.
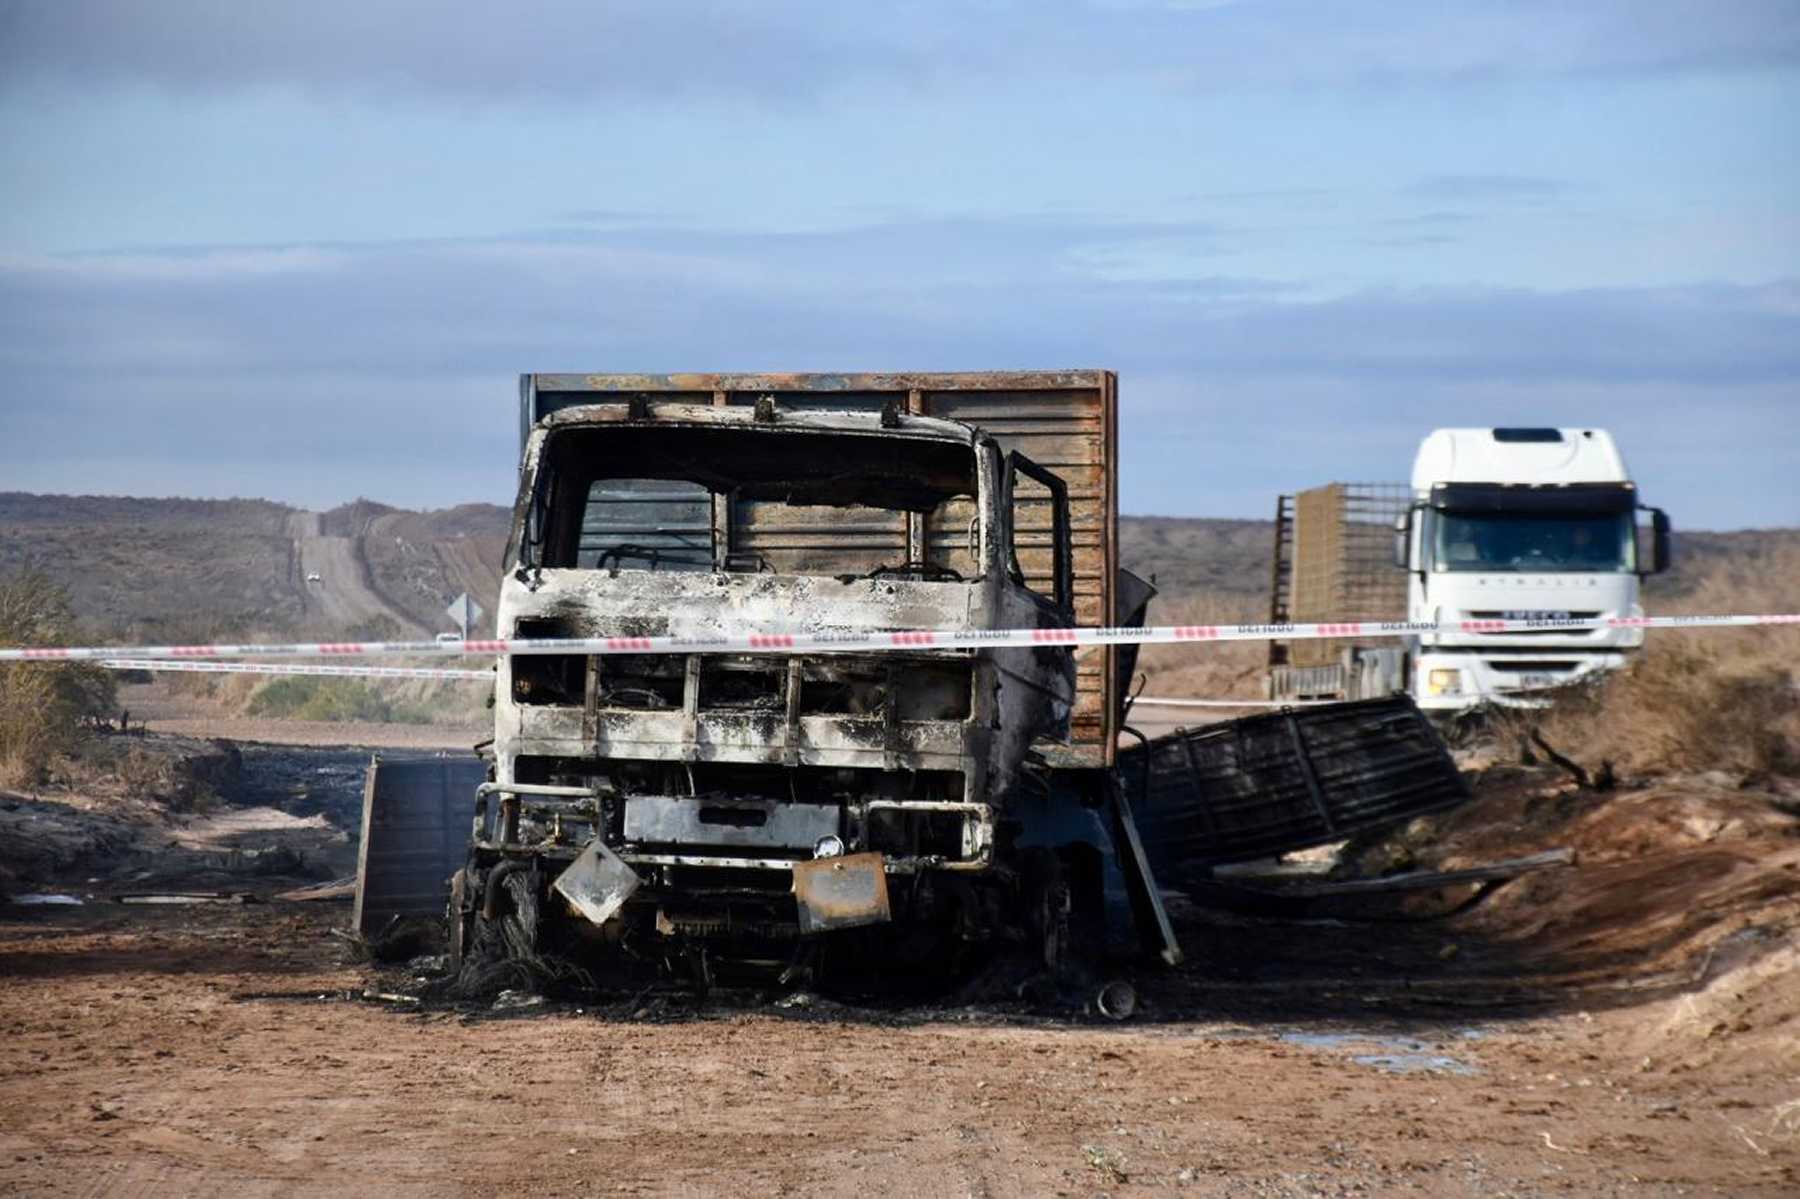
(920, 686)
(1517, 614)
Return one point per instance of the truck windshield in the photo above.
(1517, 541)
(685, 498)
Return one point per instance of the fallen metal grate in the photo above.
(1285, 781)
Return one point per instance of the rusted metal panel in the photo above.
(1072, 432)
(842, 892)
(813, 382)
(415, 832)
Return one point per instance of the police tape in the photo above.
(286, 668)
(887, 641)
(1151, 701)
(487, 676)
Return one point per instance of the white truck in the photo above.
(1498, 524)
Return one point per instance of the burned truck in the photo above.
(913, 812)
(724, 810)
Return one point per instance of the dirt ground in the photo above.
(1628, 1025)
(167, 710)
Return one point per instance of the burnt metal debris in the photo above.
(1288, 780)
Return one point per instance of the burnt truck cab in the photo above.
(770, 794)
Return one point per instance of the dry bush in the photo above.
(1679, 707)
(42, 704)
(1700, 699)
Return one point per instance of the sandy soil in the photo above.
(322, 733)
(1625, 1026)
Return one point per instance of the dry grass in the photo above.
(1206, 670)
(42, 704)
(1678, 708)
(1702, 699)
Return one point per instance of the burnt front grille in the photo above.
(919, 686)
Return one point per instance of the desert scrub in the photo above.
(310, 698)
(1679, 706)
(42, 704)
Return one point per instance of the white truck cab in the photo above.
(1521, 524)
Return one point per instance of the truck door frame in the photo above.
(1062, 599)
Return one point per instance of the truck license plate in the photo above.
(1533, 682)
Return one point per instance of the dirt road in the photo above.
(341, 596)
(1626, 1026)
(186, 1054)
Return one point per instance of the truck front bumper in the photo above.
(1452, 682)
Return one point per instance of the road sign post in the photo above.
(464, 612)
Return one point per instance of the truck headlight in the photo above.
(1443, 682)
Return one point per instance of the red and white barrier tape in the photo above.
(375, 672)
(1150, 701)
(867, 642)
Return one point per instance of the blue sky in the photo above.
(301, 252)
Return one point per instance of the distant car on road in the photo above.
(315, 577)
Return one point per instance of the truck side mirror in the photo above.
(1659, 544)
(1403, 538)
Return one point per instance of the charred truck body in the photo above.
(713, 808)
(786, 812)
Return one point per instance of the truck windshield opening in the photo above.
(749, 501)
(1533, 542)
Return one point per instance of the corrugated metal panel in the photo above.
(1272, 784)
(1065, 421)
(415, 835)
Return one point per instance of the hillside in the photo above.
(176, 569)
(180, 570)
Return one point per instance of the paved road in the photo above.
(342, 598)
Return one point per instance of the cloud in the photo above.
(386, 369)
(1517, 189)
(558, 49)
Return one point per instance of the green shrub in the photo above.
(43, 704)
(309, 698)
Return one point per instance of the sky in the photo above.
(301, 252)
